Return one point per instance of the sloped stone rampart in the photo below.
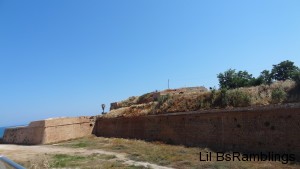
(50, 131)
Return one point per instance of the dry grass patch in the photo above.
(77, 161)
(168, 155)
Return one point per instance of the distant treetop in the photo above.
(285, 70)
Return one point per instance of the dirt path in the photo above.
(26, 153)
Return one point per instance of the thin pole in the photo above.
(168, 83)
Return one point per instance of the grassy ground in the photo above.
(166, 155)
(94, 161)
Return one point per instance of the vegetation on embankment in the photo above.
(237, 89)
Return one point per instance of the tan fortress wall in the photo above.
(50, 131)
(261, 129)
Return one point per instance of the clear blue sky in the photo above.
(67, 57)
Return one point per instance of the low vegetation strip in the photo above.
(168, 155)
(110, 153)
(50, 156)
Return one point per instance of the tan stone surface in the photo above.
(50, 131)
(260, 129)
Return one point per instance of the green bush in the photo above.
(204, 103)
(296, 77)
(239, 98)
(235, 98)
(278, 95)
(162, 99)
(213, 95)
(224, 97)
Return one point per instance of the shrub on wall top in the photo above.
(278, 95)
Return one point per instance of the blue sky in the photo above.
(67, 57)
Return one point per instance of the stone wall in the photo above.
(261, 129)
(50, 131)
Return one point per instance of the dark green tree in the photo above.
(284, 70)
(242, 79)
(266, 77)
(296, 76)
(226, 78)
(231, 79)
(256, 81)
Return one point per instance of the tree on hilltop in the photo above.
(284, 70)
(231, 79)
(266, 77)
